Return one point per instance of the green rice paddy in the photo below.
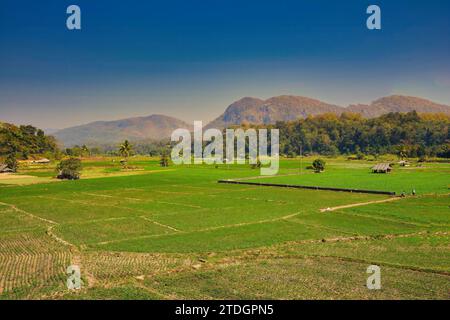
(176, 233)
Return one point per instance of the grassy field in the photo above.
(424, 178)
(175, 233)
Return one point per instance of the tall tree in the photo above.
(11, 162)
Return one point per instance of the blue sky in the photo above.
(191, 59)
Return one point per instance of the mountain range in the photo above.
(154, 127)
(246, 110)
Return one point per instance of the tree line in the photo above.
(145, 147)
(407, 134)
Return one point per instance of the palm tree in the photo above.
(125, 149)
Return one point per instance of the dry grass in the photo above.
(109, 266)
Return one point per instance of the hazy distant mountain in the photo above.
(398, 103)
(286, 108)
(50, 131)
(154, 127)
(282, 108)
(246, 110)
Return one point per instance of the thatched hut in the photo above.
(41, 161)
(382, 168)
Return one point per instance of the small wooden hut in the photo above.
(382, 168)
(41, 161)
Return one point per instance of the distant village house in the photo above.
(41, 161)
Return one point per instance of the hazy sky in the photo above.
(191, 59)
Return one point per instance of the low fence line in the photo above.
(262, 184)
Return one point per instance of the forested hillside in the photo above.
(411, 134)
(25, 141)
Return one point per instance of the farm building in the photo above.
(4, 168)
(41, 161)
(382, 168)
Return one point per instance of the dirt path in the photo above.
(160, 224)
(359, 204)
(12, 176)
(76, 256)
(28, 213)
(76, 253)
(110, 197)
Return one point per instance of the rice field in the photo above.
(175, 233)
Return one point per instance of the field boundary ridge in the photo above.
(263, 184)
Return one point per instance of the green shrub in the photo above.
(360, 156)
(318, 165)
(69, 169)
